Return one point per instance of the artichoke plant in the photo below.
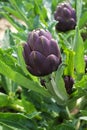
(41, 53)
(68, 83)
(66, 17)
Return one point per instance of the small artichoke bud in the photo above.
(42, 81)
(68, 83)
(85, 58)
(66, 17)
(41, 53)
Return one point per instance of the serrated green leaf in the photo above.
(60, 84)
(12, 21)
(23, 17)
(8, 84)
(21, 59)
(6, 127)
(20, 79)
(8, 59)
(83, 112)
(83, 19)
(17, 121)
(3, 100)
(8, 39)
(79, 52)
(64, 127)
(12, 11)
(82, 82)
(28, 106)
(36, 22)
(78, 10)
(47, 5)
(28, 6)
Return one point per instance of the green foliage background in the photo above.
(24, 103)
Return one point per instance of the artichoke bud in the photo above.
(41, 53)
(66, 17)
(68, 80)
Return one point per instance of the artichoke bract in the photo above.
(66, 17)
(41, 53)
(68, 80)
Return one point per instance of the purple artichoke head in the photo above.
(66, 17)
(68, 80)
(41, 53)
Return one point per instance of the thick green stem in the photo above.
(55, 90)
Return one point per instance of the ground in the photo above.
(4, 24)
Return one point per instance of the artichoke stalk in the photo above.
(42, 57)
(66, 17)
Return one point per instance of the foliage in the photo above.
(26, 104)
